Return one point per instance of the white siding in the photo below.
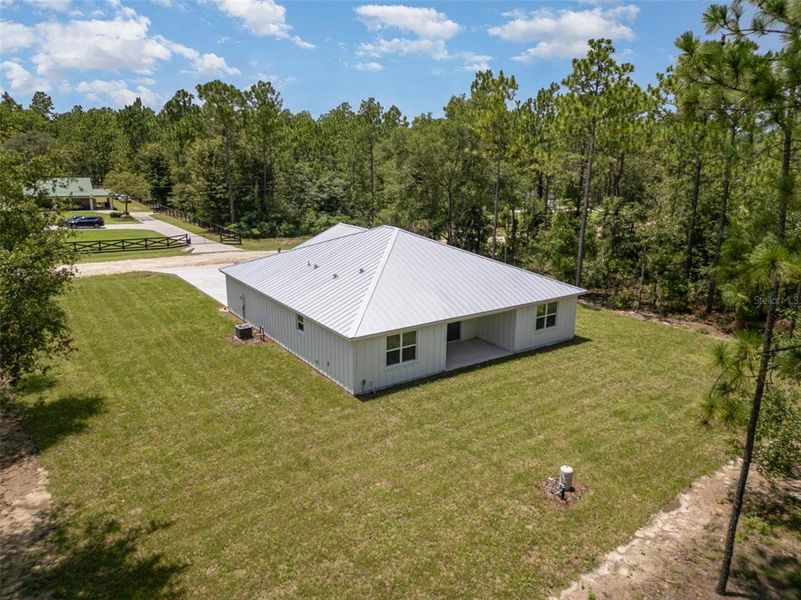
(469, 329)
(498, 329)
(329, 353)
(371, 372)
(526, 335)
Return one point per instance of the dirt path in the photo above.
(167, 262)
(24, 506)
(677, 554)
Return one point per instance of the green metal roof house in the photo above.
(79, 189)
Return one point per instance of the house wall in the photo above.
(527, 337)
(369, 359)
(326, 351)
(498, 329)
(359, 365)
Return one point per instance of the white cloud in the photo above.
(564, 33)
(211, 64)
(55, 5)
(426, 23)
(123, 43)
(368, 66)
(264, 18)
(14, 36)
(117, 92)
(20, 79)
(431, 28)
(204, 64)
(113, 45)
(402, 46)
(473, 62)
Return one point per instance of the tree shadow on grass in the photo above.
(49, 421)
(102, 559)
(767, 574)
(767, 562)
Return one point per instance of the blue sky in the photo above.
(318, 54)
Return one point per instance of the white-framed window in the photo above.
(401, 348)
(300, 325)
(546, 315)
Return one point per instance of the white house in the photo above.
(372, 308)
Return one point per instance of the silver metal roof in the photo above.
(386, 279)
(337, 231)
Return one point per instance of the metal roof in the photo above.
(65, 187)
(337, 231)
(386, 279)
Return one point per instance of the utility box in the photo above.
(566, 477)
(244, 331)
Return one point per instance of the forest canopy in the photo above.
(647, 197)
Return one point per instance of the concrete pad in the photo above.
(471, 352)
(208, 280)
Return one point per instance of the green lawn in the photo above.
(182, 463)
(247, 244)
(82, 235)
(108, 218)
(118, 234)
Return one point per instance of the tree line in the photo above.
(650, 196)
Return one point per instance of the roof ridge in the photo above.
(379, 272)
(299, 247)
(361, 230)
(492, 260)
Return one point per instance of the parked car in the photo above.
(84, 221)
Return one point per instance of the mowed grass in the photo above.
(247, 243)
(90, 235)
(82, 235)
(184, 464)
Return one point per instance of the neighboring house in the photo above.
(78, 191)
(372, 308)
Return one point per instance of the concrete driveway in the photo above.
(200, 244)
(201, 271)
(208, 280)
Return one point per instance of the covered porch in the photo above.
(471, 352)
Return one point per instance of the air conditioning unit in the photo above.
(244, 331)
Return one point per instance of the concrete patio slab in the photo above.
(471, 352)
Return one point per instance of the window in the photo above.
(299, 324)
(401, 348)
(546, 315)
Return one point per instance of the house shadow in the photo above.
(370, 396)
(102, 559)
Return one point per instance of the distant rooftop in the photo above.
(66, 187)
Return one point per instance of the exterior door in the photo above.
(454, 331)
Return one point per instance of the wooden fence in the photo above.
(227, 235)
(129, 244)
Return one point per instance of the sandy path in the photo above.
(167, 262)
(644, 564)
(24, 507)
